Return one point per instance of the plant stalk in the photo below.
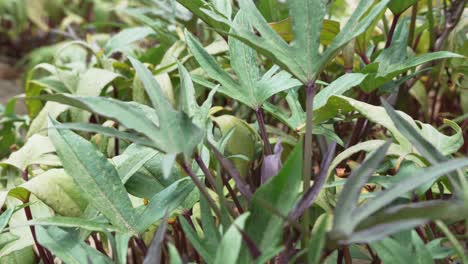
(211, 180)
(431, 29)
(263, 133)
(414, 14)
(43, 253)
(307, 154)
(396, 17)
(201, 188)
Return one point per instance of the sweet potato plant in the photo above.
(219, 131)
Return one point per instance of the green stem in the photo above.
(308, 152)
(430, 20)
(414, 14)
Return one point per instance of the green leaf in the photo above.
(390, 250)
(228, 249)
(197, 8)
(412, 251)
(330, 28)
(360, 20)
(422, 211)
(57, 189)
(75, 222)
(340, 105)
(173, 125)
(174, 256)
(408, 183)
(394, 60)
(367, 146)
(306, 19)
(251, 88)
(453, 240)
(338, 87)
(141, 170)
(206, 252)
(124, 38)
(68, 247)
(121, 241)
(95, 176)
(344, 220)
(38, 150)
(399, 6)
(281, 193)
(22, 256)
(188, 103)
(426, 148)
(166, 200)
(241, 142)
(5, 217)
(380, 231)
(317, 243)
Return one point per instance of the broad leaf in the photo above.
(302, 58)
(38, 150)
(175, 130)
(57, 189)
(251, 88)
(95, 176)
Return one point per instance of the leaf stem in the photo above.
(263, 133)
(201, 188)
(43, 253)
(396, 17)
(309, 197)
(233, 195)
(211, 180)
(242, 186)
(414, 14)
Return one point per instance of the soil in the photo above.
(10, 85)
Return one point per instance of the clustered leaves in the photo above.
(236, 132)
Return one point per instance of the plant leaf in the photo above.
(95, 176)
(228, 249)
(68, 247)
(344, 222)
(281, 193)
(166, 200)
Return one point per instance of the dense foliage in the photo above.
(219, 131)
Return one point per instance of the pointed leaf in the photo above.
(344, 222)
(95, 176)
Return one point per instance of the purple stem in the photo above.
(263, 133)
(309, 197)
(27, 210)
